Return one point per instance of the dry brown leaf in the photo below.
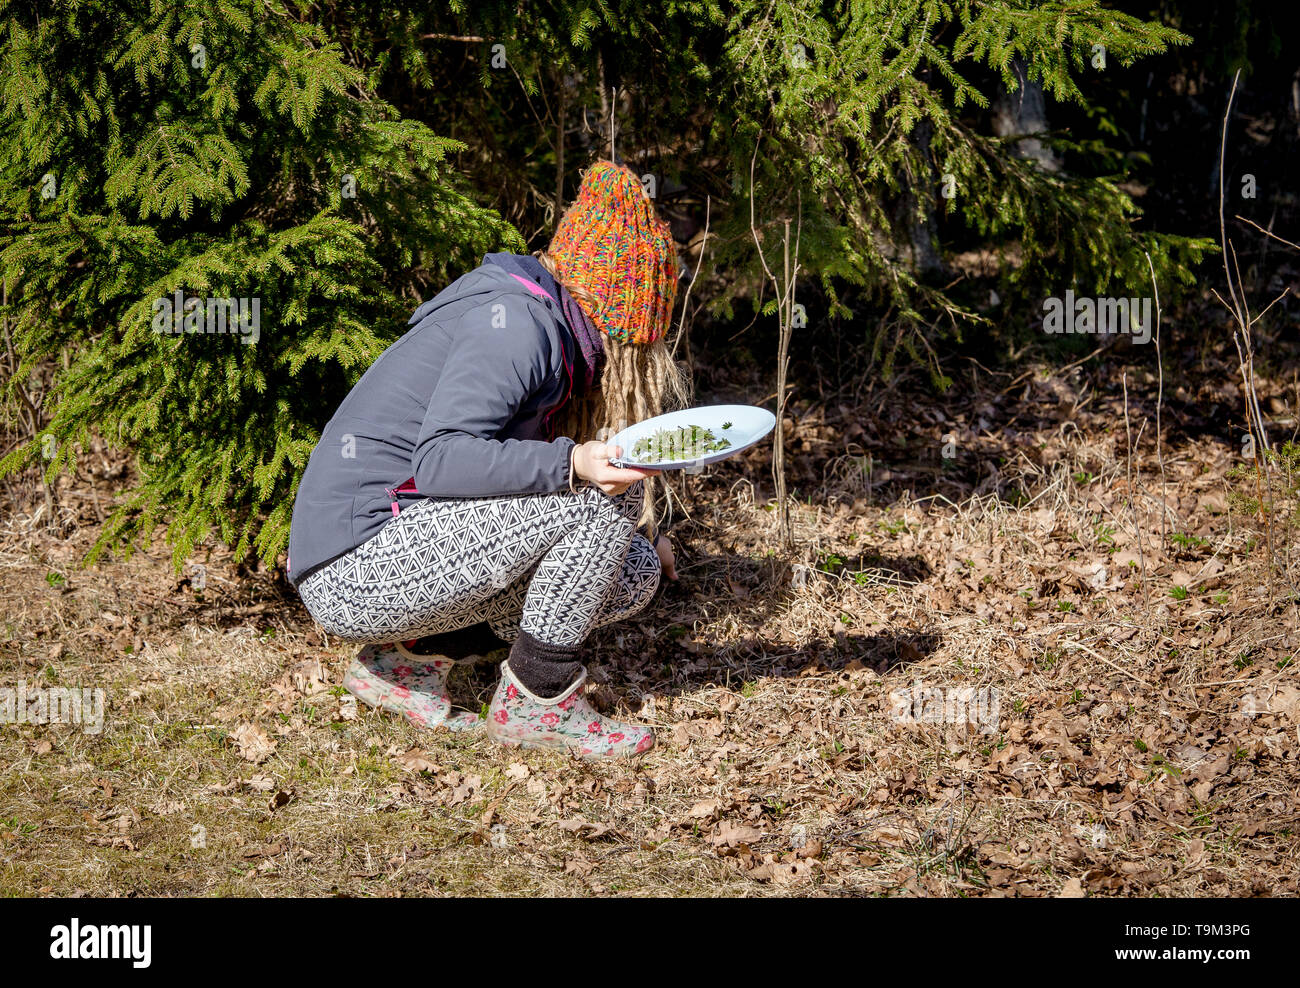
(791, 872)
(347, 709)
(261, 851)
(282, 798)
(704, 809)
(731, 834)
(465, 791)
(1072, 889)
(252, 743)
(1286, 701)
(1209, 768)
(119, 841)
(813, 849)
(415, 760)
(585, 828)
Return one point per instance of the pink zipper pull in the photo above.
(392, 497)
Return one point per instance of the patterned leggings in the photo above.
(555, 565)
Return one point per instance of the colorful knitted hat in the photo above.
(611, 243)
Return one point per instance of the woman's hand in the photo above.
(591, 462)
(667, 560)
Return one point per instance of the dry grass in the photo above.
(1126, 759)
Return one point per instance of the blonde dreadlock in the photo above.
(639, 381)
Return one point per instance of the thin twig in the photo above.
(1241, 338)
(681, 324)
(1160, 397)
(1098, 655)
(1267, 233)
(1137, 532)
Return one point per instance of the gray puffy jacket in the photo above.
(458, 406)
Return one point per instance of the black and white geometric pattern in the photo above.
(556, 565)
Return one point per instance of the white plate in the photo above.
(747, 424)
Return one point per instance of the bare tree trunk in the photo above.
(921, 215)
(1024, 112)
(559, 148)
(605, 115)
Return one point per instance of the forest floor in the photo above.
(1110, 700)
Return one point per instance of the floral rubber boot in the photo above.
(393, 678)
(517, 716)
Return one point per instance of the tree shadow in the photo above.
(657, 651)
(259, 597)
(883, 567)
(675, 668)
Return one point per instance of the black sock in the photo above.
(477, 639)
(546, 670)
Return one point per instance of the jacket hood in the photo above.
(525, 266)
